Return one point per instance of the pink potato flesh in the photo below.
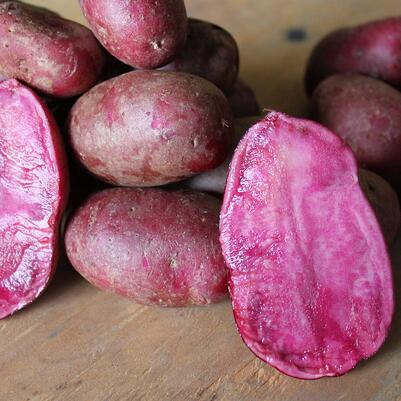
(148, 128)
(141, 33)
(210, 52)
(55, 56)
(366, 113)
(243, 100)
(384, 201)
(33, 192)
(309, 274)
(153, 246)
(371, 49)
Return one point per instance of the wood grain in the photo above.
(78, 343)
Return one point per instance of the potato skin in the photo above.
(384, 202)
(141, 33)
(153, 246)
(243, 100)
(148, 128)
(53, 55)
(371, 49)
(366, 113)
(210, 52)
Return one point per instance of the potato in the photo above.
(53, 55)
(309, 272)
(366, 113)
(215, 180)
(384, 202)
(372, 49)
(210, 52)
(148, 128)
(153, 246)
(243, 100)
(33, 195)
(141, 33)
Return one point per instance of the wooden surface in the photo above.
(78, 343)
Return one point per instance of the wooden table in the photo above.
(78, 343)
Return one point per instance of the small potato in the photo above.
(148, 128)
(372, 49)
(210, 52)
(141, 33)
(153, 246)
(384, 202)
(243, 100)
(366, 113)
(55, 56)
(215, 180)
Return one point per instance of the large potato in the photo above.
(372, 49)
(210, 52)
(149, 128)
(56, 56)
(141, 33)
(153, 246)
(366, 113)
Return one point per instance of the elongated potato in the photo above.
(210, 52)
(148, 128)
(141, 33)
(58, 57)
(153, 246)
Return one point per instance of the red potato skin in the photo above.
(366, 113)
(372, 49)
(33, 196)
(309, 273)
(215, 180)
(210, 52)
(153, 246)
(384, 202)
(58, 57)
(149, 128)
(141, 33)
(243, 100)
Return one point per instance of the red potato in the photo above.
(384, 202)
(309, 273)
(210, 52)
(372, 49)
(149, 128)
(141, 33)
(366, 113)
(55, 56)
(243, 100)
(153, 246)
(215, 180)
(33, 193)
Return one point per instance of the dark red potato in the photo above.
(372, 49)
(309, 273)
(384, 202)
(33, 192)
(210, 52)
(153, 246)
(243, 100)
(149, 128)
(366, 113)
(141, 33)
(58, 57)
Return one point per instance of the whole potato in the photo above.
(153, 246)
(384, 202)
(372, 49)
(141, 33)
(210, 52)
(215, 180)
(243, 100)
(148, 128)
(58, 57)
(366, 113)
